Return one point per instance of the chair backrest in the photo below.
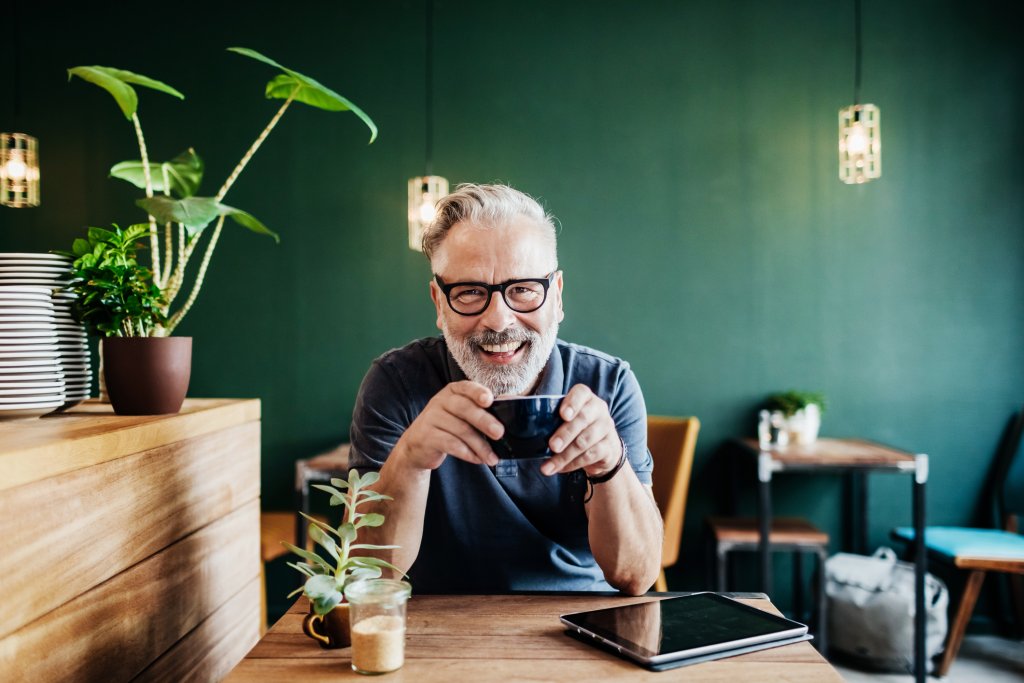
(671, 441)
(1010, 481)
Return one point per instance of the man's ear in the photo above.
(437, 296)
(558, 295)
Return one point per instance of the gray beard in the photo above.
(514, 379)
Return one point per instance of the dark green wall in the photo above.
(689, 152)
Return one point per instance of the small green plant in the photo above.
(789, 402)
(327, 578)
(116, 295)
(171, 187)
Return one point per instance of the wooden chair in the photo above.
(671, 441)
(979, 551)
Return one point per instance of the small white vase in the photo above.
(805, 424)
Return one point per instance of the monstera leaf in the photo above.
(195, 213)
(309, 90)
(184, 173)
(117, 83)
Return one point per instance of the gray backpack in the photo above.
(871, 610)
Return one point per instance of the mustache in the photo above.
(511, 335)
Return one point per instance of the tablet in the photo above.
(691, 626)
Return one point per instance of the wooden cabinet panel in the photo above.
(129, 545)
(90, 524)
(114, 631)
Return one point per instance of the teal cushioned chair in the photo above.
(979, 551)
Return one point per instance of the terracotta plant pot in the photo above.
(147, 375)
(331, 630)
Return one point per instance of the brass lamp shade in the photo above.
(424, 194)
(19, 170)
(860, 144)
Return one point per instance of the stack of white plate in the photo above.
(44, 357)
(31, 377)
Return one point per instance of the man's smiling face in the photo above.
(500, 348)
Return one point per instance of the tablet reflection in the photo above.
(640, 624)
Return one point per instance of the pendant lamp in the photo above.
(19, 153)
(860, 132)
(426, 190)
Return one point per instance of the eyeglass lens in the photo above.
(522, 297)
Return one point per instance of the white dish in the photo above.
(29, 334)
(32, 398)
(28, 410)
(42, 357)
(9, 389)
(25, 296)
(34, 255)
(27, 375)
(34, 266)
(23, 289)
(26, 318)
(28, 362)
(7, 274)
(35, 281)
(24, 327)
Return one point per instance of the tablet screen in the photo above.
(686, 626)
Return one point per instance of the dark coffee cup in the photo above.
(529, 423)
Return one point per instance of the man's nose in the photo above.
(497, 316)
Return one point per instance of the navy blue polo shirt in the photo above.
(493, 530)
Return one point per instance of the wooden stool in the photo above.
(792, 534)
(319, 469)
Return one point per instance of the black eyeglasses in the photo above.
(472, 298)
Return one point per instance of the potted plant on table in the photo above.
(178, 220)
(326, 578)
(800, 413)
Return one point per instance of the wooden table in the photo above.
(855, 457)
(509, 638)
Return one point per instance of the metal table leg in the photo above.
(920, 567)
(764, 518)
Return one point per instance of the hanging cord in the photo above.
(857, 52)
(429, 97)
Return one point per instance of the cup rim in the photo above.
(367, 591)
(526, 398)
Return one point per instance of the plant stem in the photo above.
(154, 241)
(168, 241)
(180, 273)
(176, 319)
(256, 145)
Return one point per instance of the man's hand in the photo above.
(453, 423)
(586, 439)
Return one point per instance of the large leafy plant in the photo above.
(117, 296)
(171, 187)
(326, 578)
(789, 402)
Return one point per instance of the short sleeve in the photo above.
(629, 412)
(380, 417)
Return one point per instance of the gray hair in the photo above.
(485, 205)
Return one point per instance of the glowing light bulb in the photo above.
(427, 210)
(857, 140)
(15, 168)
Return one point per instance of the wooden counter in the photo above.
(129, 546)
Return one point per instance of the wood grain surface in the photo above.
(507, 638)
(114, 631)
(90, 524)
(32, 449)
(838, 452)
(211, 649)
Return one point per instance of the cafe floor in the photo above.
(982, 659)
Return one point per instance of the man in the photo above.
(465, 521)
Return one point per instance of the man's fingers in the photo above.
(477, 393)
(574, 400)
(465, 410)
(457, 428)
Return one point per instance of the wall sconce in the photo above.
(19, 170)
(860, 132)
(426, 191)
